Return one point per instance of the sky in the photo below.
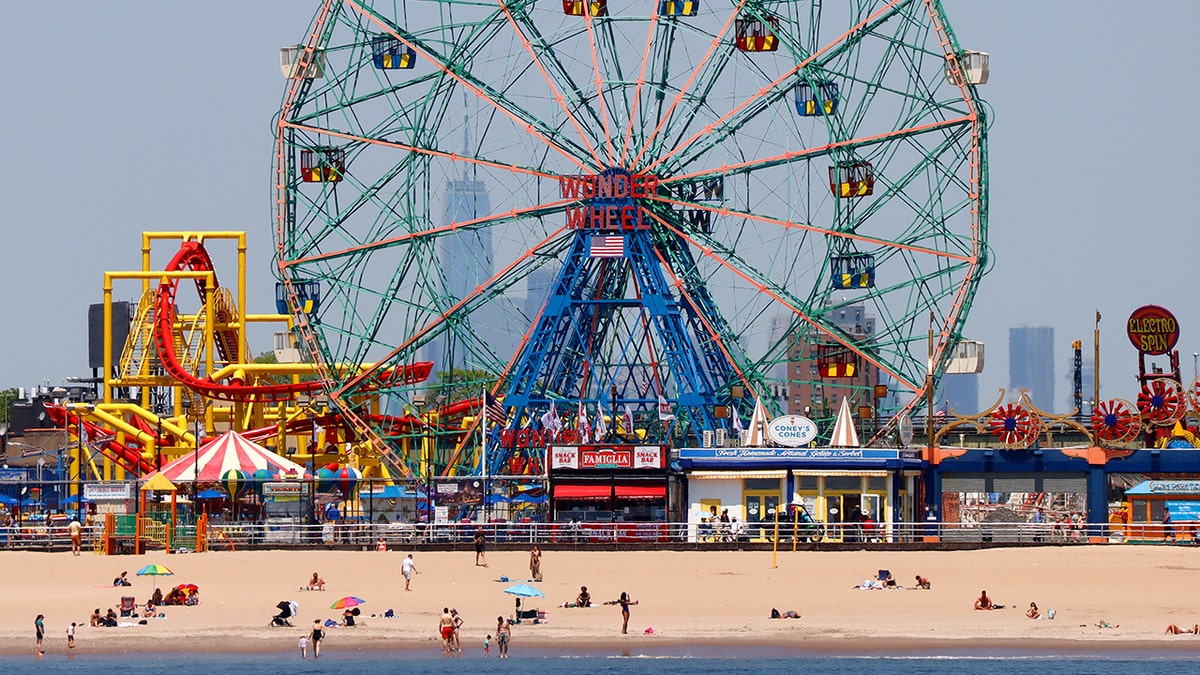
(125, 116)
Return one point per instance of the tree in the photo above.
(7, 396)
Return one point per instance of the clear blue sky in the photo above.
(124, 116)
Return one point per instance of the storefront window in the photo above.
(807, 483)
(843, 484)
(1138, 515)
(876, 483)
(760, 484)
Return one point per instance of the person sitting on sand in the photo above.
(122, 580)
(110, 619)
(890, 581)
(348, 617)
(96, 619)
(983, 602)
(922, 582)
(151, 610)
(789, 614)
(316, 583)
(157, 597)
(584, 599)
(1033, 612)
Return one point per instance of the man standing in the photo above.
(75, 529)
(480, 558)
(408, 568)
(446, 629)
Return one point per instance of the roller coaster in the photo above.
(183, 377)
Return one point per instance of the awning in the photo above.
(841, 472)
(731, 475)
(593, 491)
(641, 491)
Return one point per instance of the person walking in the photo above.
(503, 635)
(39, 628)
(535, 563)
(71, 636)
(75, 529)
(446, 630)
(303, 646)
(624, 602)
(408, 568)
(315, 638)
(480, 558)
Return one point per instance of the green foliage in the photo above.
(460, 383)
(7, 396)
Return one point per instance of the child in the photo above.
(304, 646)
(487, 645)
(71, 636)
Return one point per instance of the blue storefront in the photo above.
(835, 485)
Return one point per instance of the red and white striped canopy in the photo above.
(228, 451)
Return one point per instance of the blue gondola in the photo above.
(814, 102)
(856, 270)
(388, 53)
(308, 293)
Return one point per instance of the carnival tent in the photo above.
(228, 451)
(844, 435)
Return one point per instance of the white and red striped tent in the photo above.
(228, 451)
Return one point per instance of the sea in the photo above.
(544, 662)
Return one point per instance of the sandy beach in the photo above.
(717, 599)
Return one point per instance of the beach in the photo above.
(717, 599)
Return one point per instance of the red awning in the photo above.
(641, 491)
(593, 491)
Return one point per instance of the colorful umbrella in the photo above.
(348, 601)
(524, 591)
(235, 482)
(154, 570)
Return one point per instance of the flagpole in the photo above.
(483, 455)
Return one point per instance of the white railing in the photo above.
(620, 534)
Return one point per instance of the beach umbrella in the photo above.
(8, 501)
(347, 479)
(524, 591)
(348, 601)
(154, 570)
(235, 482)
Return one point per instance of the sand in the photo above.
(719, 599)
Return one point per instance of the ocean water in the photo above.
(541, 662)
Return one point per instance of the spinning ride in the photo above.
(613, 202)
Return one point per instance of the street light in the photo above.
(418, 402)
(194, 407)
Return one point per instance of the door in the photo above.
(870, 507)
(760, 513)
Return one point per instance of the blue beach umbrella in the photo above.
(524, 591)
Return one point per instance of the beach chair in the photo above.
(128, 605)
(883, 574)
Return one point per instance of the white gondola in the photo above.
(967, 359)
(289, 63)
(974, 66)
(285, 348)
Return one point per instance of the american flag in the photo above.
(608, 246)
(939, 415)
(493, 409)
(646, 386)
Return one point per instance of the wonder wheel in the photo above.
(1116, 421)
(1161, 402)
(626, 204)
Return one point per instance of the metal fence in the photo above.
(452, 536)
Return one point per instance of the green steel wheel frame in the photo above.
(421, 190)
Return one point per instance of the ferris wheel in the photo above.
(611, 204)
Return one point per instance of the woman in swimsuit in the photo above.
(624, 602)
(315, 637)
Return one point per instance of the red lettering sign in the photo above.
(604, 457)
(1153, 329)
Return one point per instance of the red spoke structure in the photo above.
(1116, 421)
(1014, 426)
(1161, 402)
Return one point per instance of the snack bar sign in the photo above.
(608, 457)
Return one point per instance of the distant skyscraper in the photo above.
(537, 289)
(775, 335)
(960, 392)
(1031, 364)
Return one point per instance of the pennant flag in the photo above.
(737, 422)
(581, 423)
(628, 419)
(550, 420)
(608, 246)
(664, 409)
(493, 409)
(601, 427)
(645, 387)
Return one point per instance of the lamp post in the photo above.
(418, 402)
(194, 407)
